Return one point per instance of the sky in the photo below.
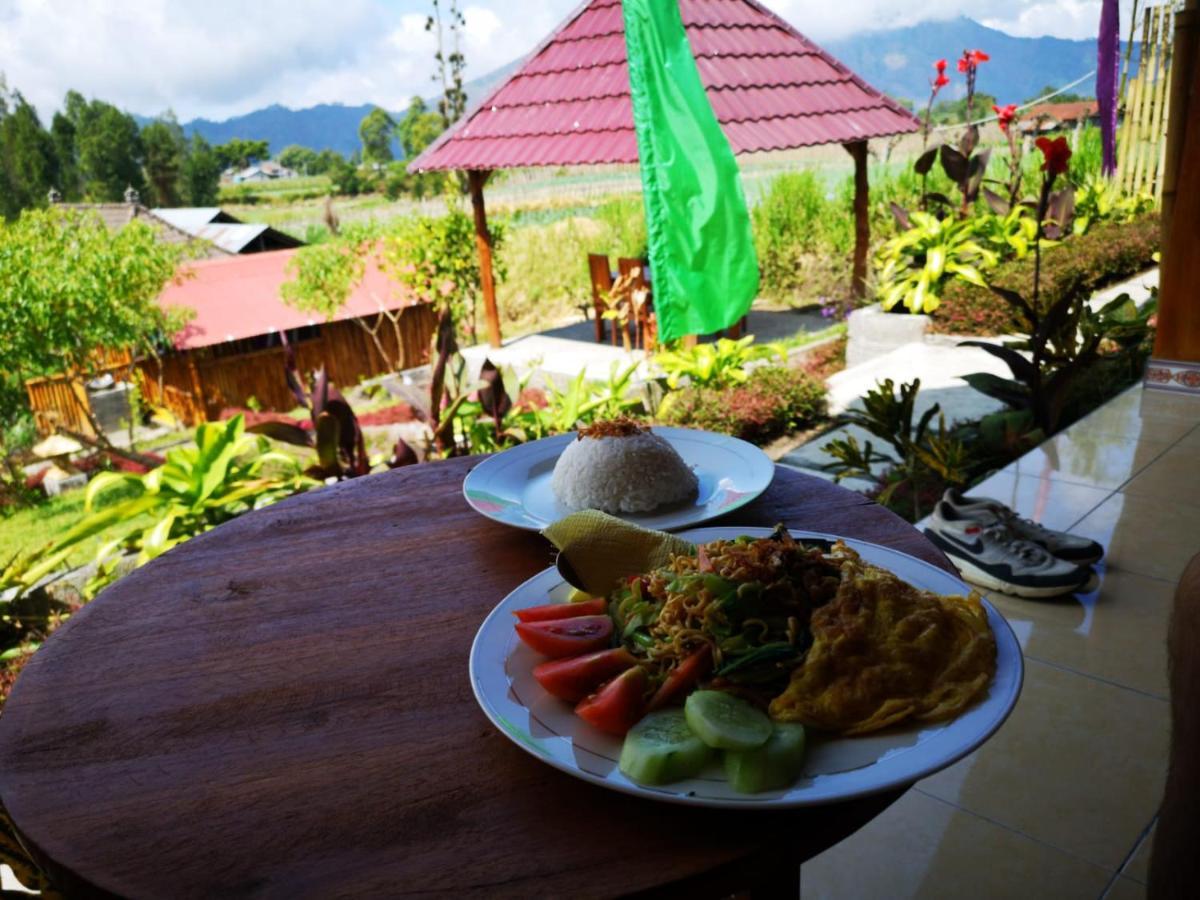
(220, 58)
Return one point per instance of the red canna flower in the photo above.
(940, 65)
(1005, 115)
(971, 59)
(940, 82)
(1057, 153)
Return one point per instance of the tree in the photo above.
(343, 174)
(375, 131)
(165, 151)
(418, 129)
(298, 159)
(450, 60)
(62, 133)
(28, 168)
(108, 146)
(239, 152)
(201, 173)
(325, 160)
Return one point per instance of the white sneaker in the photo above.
(988, 553)
(1070, 547)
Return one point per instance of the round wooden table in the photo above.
(281, 708)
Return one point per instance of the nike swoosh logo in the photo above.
(976, 547)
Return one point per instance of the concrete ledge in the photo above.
(873, 333)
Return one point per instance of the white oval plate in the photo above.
(835, 769)
(513, 487)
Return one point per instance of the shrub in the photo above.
(773, 401)
(787, 222)
(1079, 265)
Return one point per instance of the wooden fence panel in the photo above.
(196, 385)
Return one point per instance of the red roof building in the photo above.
(569, 105)
(232, 350)
(239, 297)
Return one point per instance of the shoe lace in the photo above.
(1001, 534)
(1010, 519)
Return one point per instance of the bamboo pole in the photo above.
(1125, 151)
(1134, 115)
(1158, 151)
(1187, 34)
(1128, 53)
(1143, 135)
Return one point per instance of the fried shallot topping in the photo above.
(619, 427)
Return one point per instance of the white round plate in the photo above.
(835, 769)
(513, 487)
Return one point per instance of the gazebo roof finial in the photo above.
(131, 195)
(54, 196)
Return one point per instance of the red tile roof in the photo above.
(568, 104)
(238, 297)
(1063, 112)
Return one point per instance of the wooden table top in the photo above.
(281, 708)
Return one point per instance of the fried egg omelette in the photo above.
(884, 651)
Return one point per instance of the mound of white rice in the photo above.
(629, 473)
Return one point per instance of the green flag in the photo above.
(702, 260)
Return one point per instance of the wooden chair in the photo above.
(645, 326)
(602, 283)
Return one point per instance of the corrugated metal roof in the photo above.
(568, 104)
(188, 218)
(239, 297)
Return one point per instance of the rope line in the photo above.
(1023, 106)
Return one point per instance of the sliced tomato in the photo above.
(567, 637)
(577, 676)
(618, 705)
(682, 679)
(562, 610)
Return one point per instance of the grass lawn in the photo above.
(31, 528)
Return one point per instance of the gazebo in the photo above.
(569, 105)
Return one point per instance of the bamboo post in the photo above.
(1128, 53)
(1159, 124)
(862, 220)
(1133, 114)
(1141, 133)
(476, 179)
(1125, 150)
(1149, 156)
(1184, 58)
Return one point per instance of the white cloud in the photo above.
(218, 58)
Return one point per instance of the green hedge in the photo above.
(773, 402)
(1079, 265)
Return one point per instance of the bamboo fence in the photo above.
(1142, 143)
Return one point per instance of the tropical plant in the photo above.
(1100, 199)
(1009, 231)
(917, 263)
(722, 364)
(335, 433)
(921, 455)
(1063, 340)
(772, 402)
(224, 474)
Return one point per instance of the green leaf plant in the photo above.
(1062, 342)
(920, 455)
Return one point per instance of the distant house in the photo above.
(264, 171)
(231, 350)
(221, 233)
(1046, 117)
(213, 224)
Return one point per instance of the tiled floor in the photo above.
(1060, 803)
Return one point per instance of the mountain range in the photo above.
(897, 61)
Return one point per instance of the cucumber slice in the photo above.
(661, 748)
(578, 596)
(725, 722)
(776, 764)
